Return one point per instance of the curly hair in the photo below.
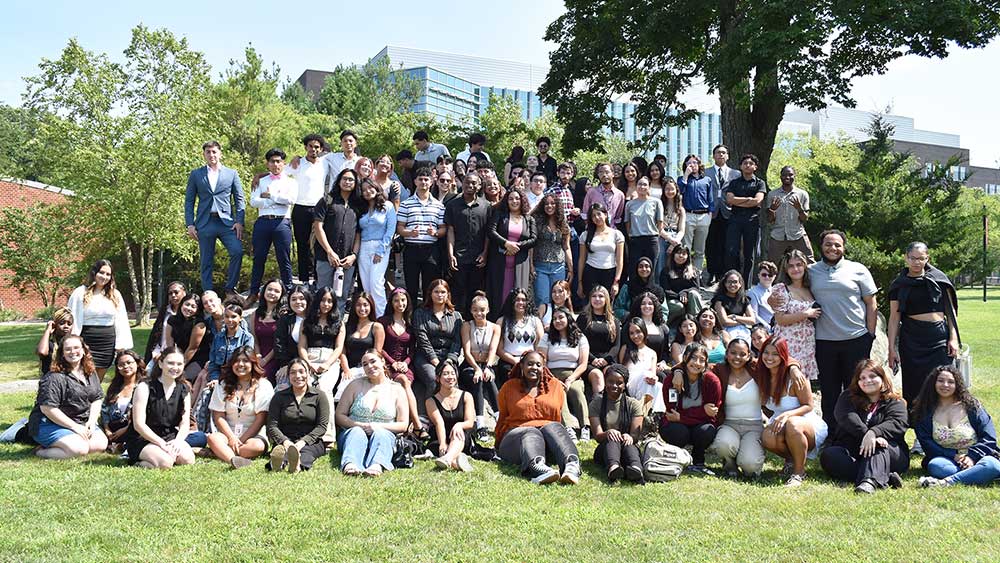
(559, 214)
(928, 399)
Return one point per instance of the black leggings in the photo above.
(615, 453)
(481, 390)
(845, 465)
(524, 445)
(698, 436)
(836, 361)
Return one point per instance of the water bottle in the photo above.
(338, 283)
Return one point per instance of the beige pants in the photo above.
(737, 442)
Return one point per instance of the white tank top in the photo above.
(743, 403)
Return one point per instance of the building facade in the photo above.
(458, 87)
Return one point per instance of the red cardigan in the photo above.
(711, 393)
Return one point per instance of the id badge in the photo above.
(672, 395)
(238, 429)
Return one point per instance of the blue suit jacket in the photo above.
(228, 195)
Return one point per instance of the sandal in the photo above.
(351, 469)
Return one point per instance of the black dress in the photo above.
(163, 415)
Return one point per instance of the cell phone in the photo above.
(672, 395)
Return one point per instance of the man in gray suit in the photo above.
(221, 207)
(715, 244)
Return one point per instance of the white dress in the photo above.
(790, 402)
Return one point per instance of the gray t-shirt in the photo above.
(839, 289)
(642, 216)
(631, 405)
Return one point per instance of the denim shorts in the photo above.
(49, 433)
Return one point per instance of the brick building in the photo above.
(22, 194)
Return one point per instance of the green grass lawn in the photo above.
(99, 509)
(18, 344)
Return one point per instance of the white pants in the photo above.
(373, 275)
(695, 235)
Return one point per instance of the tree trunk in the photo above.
(147, 284)
(130, 261)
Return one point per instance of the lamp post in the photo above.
(986, 229)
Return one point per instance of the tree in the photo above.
(126, 135)
(503, 124)
(615, 149)
(33, 246)
(355, 93)
(758, 56)
(885, 200)
(250, 116)
(19, 157)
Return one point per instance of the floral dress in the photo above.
(801, 336)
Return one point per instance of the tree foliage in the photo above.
(250, 116)
(33, 246)
(504, 126)
(127, 134)
(354, 93)
(884, 200)
(758, 56)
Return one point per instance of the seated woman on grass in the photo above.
(740, 419)
(68, 404)
(160, 416)
(297, 420)
(615, 422)
(239, 408)
(868, 446)
(452, 414)
(530, 430)
(794, 429)
(958, 436)
(116, 410)
(370, 413)
(692, 403)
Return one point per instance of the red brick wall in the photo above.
(21, 195)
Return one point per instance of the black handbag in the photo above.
(408, 445)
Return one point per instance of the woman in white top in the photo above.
(480, 340)
(561, 296)
(794, 430)
(566, 352)
(643, 382)
(100, 317)
(239, 408)
(740, 419)
(602, 254)
(520, 331)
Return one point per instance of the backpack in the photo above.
(662, 461)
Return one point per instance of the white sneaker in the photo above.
(10, 433)
(463, 463)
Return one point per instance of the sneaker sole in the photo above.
(569, 479)
(277, 458)
(293, 460)
(547, 478)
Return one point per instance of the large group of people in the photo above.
(439, 302)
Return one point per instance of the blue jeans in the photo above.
(268, 231)
(216, 230)
(546, 275)
(365, 451)
(986, 470)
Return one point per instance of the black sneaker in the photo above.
(634, 473)
(541, 474)
(895, 481)
(615, 473)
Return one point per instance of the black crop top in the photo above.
(918, 300)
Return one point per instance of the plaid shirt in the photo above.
(565, 194)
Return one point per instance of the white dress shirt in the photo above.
(335, 162)
(311, 179)
(282, 189)
(213, 179)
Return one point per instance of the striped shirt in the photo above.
(414, 213)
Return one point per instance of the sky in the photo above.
(953, 95)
